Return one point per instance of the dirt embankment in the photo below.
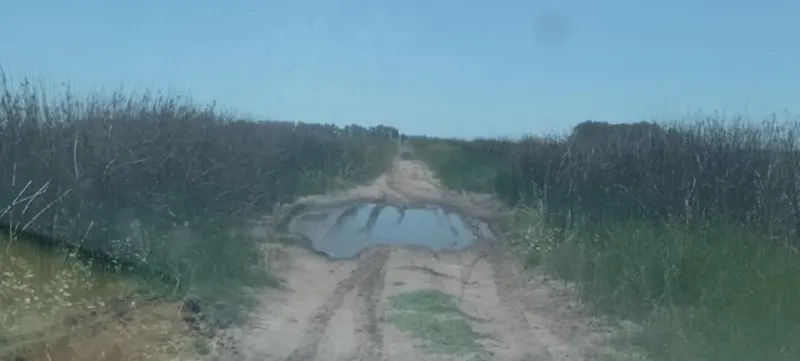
(404, 304)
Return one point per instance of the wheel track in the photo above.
(370, 292)
(369, 264)
(510, 280)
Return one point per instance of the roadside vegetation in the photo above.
(148, 196)
(112, 200)
(690, 229)
(434, 318)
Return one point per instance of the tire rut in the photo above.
(511, 281)
(507, 283)
(369, 264)
(370, 293)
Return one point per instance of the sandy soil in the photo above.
(340, 310)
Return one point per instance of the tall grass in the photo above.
(159, 184)
(688, 229)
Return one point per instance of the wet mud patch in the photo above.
(343, 232)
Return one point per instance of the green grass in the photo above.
(456, 168)
(434, 318)
(712, 292)
(688, 229)
(37, 285)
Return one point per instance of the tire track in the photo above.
(370, 293)
(369, 263)
(540, 341)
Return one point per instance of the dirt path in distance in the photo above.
(404, 304)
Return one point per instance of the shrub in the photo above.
(159, 183)
(689, 229)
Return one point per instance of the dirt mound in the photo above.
(396, 303)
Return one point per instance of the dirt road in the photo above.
(399, 304)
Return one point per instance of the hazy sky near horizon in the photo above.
(460, 68)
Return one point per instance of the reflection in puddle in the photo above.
(344, 232)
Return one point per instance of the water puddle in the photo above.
(343, 232)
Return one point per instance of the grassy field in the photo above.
(118, 195)
(689, 230)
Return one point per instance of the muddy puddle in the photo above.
(341, 233)
(55, 306)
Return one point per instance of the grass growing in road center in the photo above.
(434, 317)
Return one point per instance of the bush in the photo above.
(468, 165)
(689, 229)
(158, 183)
(702, 172)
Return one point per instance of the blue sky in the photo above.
(461, 68)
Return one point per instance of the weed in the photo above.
(152, 191)
(435, 318)
(688, 229)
